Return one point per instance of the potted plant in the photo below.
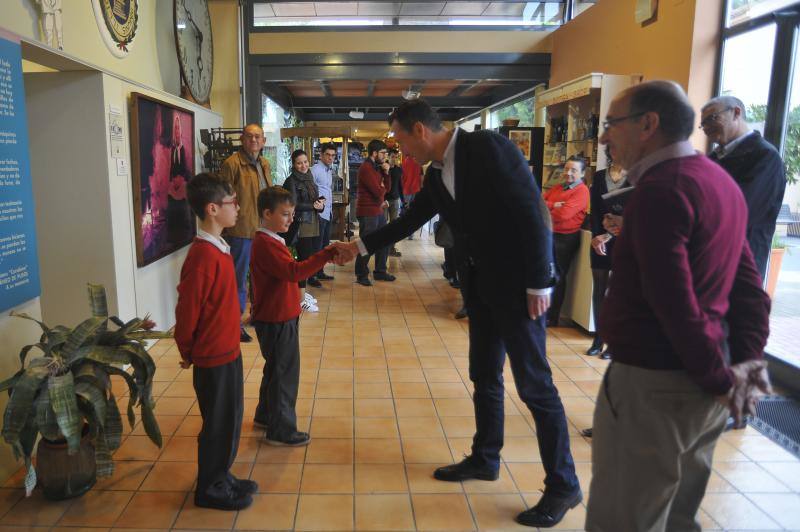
(66, 396)
(775, 261)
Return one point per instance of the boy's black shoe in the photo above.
(383, 276)
(364, 281)
(312, 281)
(550, 510)
(605, 355)
(243, 486)
(324, 277)
(465, 470)
(222, 496)
(454, 282)
(297, 439)
(461, 314)
(244, 337)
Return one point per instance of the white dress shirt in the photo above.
(273, 234)
(218, 242)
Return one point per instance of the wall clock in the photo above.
(117, 21)
(195, 48)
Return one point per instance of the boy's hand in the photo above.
(186, 364)
(345, 252)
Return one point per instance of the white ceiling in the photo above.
(338, 9)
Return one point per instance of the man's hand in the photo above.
(599, 244)
(185, 364)
(319, 205)
(385, 204)
(750, 383)
(345, 252)
(612, 223)
(538, 305)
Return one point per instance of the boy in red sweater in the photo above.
(274, 275)
(207, 335)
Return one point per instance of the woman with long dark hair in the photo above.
(308, 205)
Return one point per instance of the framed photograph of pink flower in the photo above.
(162, 162)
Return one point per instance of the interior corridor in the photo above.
(385, 393)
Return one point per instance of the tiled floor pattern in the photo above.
(386, 395)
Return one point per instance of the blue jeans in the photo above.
(324, 239)
(493, 332)
(240, 251)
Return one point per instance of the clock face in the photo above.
(195, 47)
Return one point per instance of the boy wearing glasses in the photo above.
(274, 275)
(207, 335)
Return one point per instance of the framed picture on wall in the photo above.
(162, 161)
(522, 138)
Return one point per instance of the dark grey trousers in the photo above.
(220, 395)
(280, 347)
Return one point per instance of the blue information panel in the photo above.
(19, 265)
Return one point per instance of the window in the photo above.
(309, 15)
(273, 118)
(746, 69)
(523, 110)
(743, 10)
(761, 66)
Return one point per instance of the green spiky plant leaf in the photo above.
(65, 384)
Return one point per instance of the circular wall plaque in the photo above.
(117, 21)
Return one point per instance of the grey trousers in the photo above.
(652, 446)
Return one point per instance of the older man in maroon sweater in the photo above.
(685, 318)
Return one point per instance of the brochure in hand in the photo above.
(615, 200)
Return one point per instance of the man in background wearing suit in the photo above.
(480, 184)
(753, 163)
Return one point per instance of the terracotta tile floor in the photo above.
(385, 393)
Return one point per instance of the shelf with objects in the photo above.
(573, 113)
(311, 139)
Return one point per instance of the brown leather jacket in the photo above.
(243, 177)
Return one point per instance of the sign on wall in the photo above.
(19, 264)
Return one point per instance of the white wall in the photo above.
(151, 289)
(85, 215)
(69, 170)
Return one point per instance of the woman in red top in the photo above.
(568, 204)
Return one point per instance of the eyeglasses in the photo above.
(234, 202)
(611, 121)
(713, 117)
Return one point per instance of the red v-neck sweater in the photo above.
(207, 315)
(274, 275)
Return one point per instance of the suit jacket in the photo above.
(759, 171)
(498, 218)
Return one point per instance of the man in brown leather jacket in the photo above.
(248, 172)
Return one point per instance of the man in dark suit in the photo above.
(753, 163)
(480, 184)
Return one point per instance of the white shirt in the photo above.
(722, 151)
(273, 234)
(673, 151)
(448, 165)
(219, 243)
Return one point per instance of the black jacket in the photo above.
(598, 210)
(304, 192)
(498, 218)
(758, 169)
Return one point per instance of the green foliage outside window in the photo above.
(791, 146)
(522, 110)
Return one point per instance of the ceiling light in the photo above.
(410, 94)
(356, 115)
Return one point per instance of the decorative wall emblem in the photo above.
(117, 21)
